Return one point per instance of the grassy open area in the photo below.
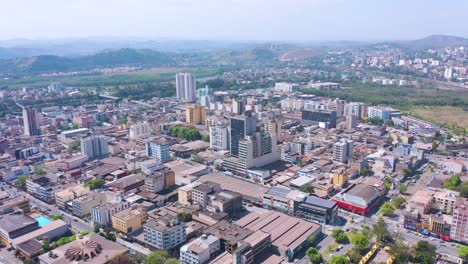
(448, 108)
(447, 116)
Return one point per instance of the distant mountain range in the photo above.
(30, 57)
(52, 63)
(434, 42)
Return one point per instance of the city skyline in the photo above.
(233, 20)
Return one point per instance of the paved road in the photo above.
(76, 224)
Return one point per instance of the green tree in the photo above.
(97, 228)
(424, 252)
(387, 209)
(157, 257)
(171, 261)
(45, 245)
(56, 217)
(452, 183)
(398, 201)
(406, 172)
(312, 239)
(353, 255)
(367, 172)
(462, 252)
(379, 230)
(403, 188)
(339, 235)
(95, 183)
(360, 241)
(20, 183)
(300, 128)
(314, 256)
(184, 217)
(340, 259)
(399, 251)
(206, 138)
(308, 189)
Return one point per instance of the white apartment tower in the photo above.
(219, 137)
(343, 150)
(140, 130)
(185, 86)
(95, 146)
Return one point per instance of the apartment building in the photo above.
(64, 196)
(185, 193)
(102, 214)
(200, 250)
(195, 114)
(130, 219)
(459, 230)
(164, 233)
(201, 193)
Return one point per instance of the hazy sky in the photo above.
(234, 19)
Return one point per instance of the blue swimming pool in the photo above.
(42, 220)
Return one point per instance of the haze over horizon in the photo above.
(233, 20)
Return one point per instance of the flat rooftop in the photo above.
(235, 185)
(286, 231)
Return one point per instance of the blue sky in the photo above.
(299, 20)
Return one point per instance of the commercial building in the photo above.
(128, 183)
(91, 248)
(241, 126)
(95, 146)
(315, 117)
(383, 113)
(289, 235)
(359, 110)
(71, 163)
(195, 114)
(73, 133)
(130, 219)
(324, 86)
(286, 87)
(226, 201)
(219, 137)
(459, 230)
(297, 203)
(343, 151)
(359, 198)
(17, 203)
(257, 150)
(185, 86)
(15, 225)
(30, 122)
(164, 233)
(200, 250)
